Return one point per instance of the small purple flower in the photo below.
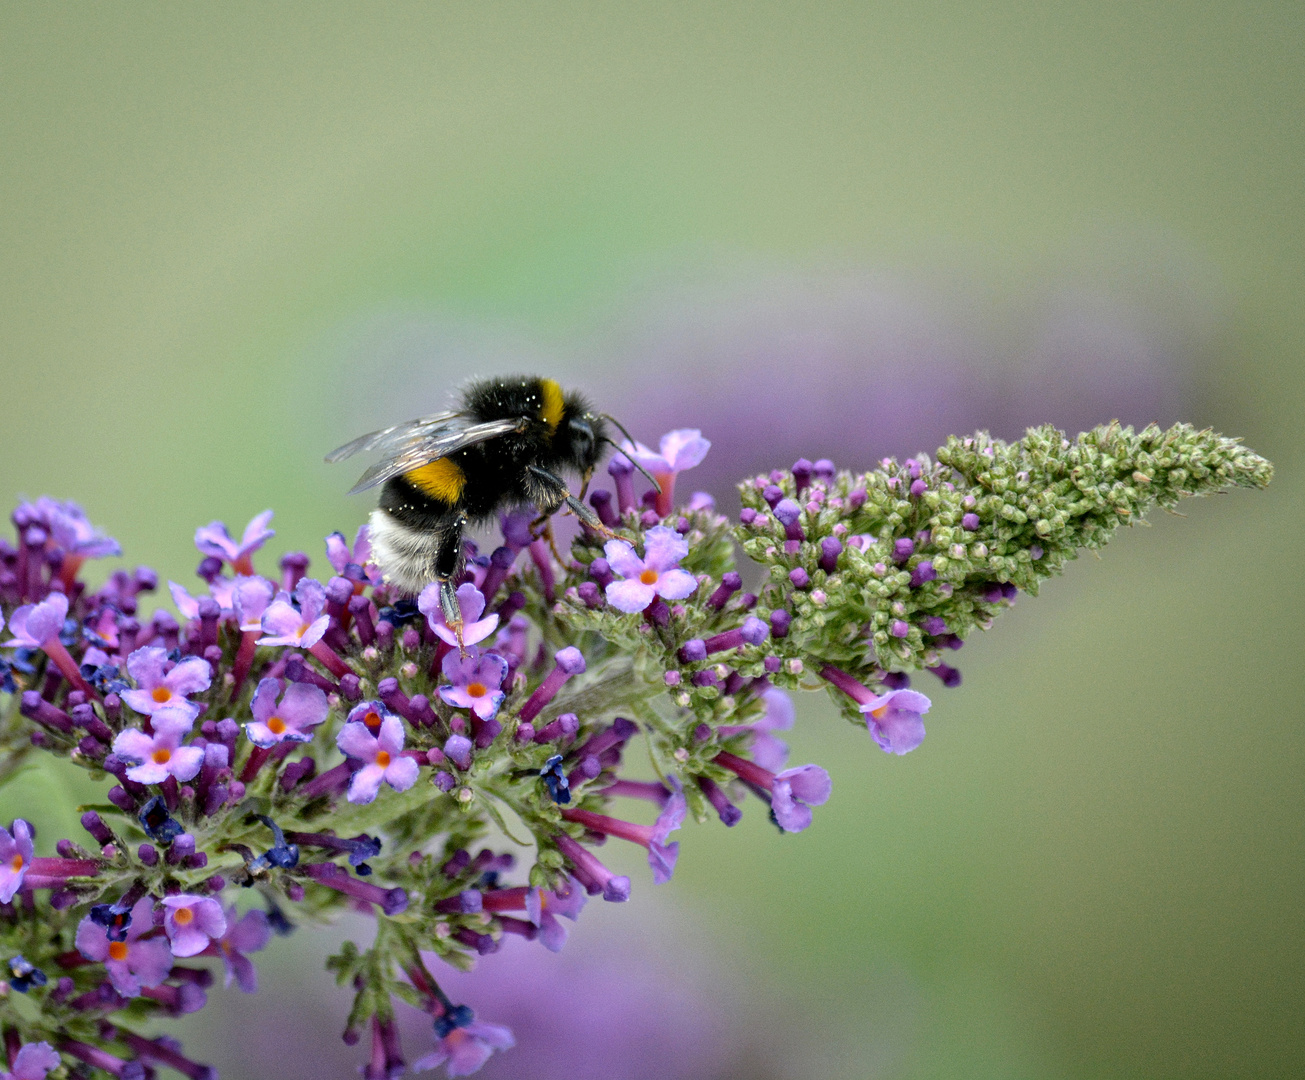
(283, 625)
(768, 751)
(213, 539)
(302, 707)
(465, 1049)
(656, 574)
(132, 962)
(250, 933)
(160, 755)
(158, 688)
(382, 758)
(71, 531)
(221, 589)
(679, 450)
(250, 597)
(340, 555)
(15, 857)
(543, 907)
(191, 922)
(895, 719)
(794, 792)
(474, 682)
(471, 604)
(34, 624)
(32, 1062)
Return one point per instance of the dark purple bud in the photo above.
(601, 572)
(949, 675)
(992, 594)
(1009, 591)
(801, 474)
(601, 501)
(896, 680)
(361, 610)
(823, 470)
(730, 583)
(693, 651)
(148, 854)
(705, 678)
(730, 814)
(296, 771)
(747, 515)
(772, 494)
(970, 522)
(293, 566)
(590, 594)
(903, 549)
(182, 846)
(445, 781)
(649, 518)
(934, 626)
(620, 470)
(780, 620)
(830, 549)
(35, 707)
(752, 632)
(747, 601)
(350, 687)
(856, 498)
(209, 568)
(94, 824)
(918, 488)
(467, 902)
(702, 732)
(923, 572)
(773, 664)
(123, 801)
(800, 578)
(789, 515)
(296, 670)
(658, 613)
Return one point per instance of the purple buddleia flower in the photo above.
(248, 934)
(221, 589)
(34, 624)
(250, 597)
(15, 857)
(471, 604)
(381, 756)
(134, 962)
(895, 719)
(33, 1060)
(768, 751)
(656, 574)
(679, 450)
(544, 906)
(303, 628)
(213, 539)
(71, 531)
(301, 708)
(474, 682)
(191, 922)
(341, 556)
(160, 755)
(794, 792)
(158, 688)
(465, 1049)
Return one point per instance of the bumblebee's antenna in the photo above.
(656, 486)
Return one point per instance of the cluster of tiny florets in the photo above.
(299, 745)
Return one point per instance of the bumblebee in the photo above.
(502, 447)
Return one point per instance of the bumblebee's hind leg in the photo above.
(448, 565)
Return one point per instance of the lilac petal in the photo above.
(663, 548)
(458, 749)
(251, 933)
(780, 712)
(337, 552)
(365, 784)
(486, 706)
(459, 669)
(492, 670)
(18, 627)
(390, 738)
(466, 1055)
(263, 736)
(809, 783)
(148, 772)
(142, 701)
(91, 940)
(493, 1035)
(123, 979)
(256, 533)
(213, 539)
(471, 602)
(789, 815)
(622, 559)
(133, 745)
(313, 634)
(570, 903)
(263, 705)
(186, 604)
(34, 1060)
(249, 599)
(552, 934)
(362, 545)
(188, 941)
(242, 970)
(189, 677)
(534, 904)
(186, 762)
(173, 723)
(45, 620)
(209, 917)
(661, 857)
(769, 752)
(282, 623)
(356, 741)
(675, 584)
(673, 813)
(146, 666)
(471, 632)
(429, 1061)
(142, 918)
(897, 731)
(151, 960)
(401, 773)
(630, 596)
(311, 595)
(428, 603)
(303, 706)
(684, 448)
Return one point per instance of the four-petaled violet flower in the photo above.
(250, 597)
(302, 628)
(381, 756)
(221, 589)
(15, 858)
(160, 755)
(895, 719)
(248, 934)
(158, 688)
(191, 922)
(471, 604)
(341, 556)
(32, 1062)
(134, 962)
(301, 708)
(474, 682)
(794, 792)
(543, 907)
(213, 539)
(465, 1049)
(679, 450)
(656, 574)
(34, 624)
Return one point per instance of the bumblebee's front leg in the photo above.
(448, 564)
(553, 492)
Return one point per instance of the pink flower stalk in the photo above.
(160, 689)
(213, 539)
(136, 962)
(161, 754)
(656, 574)
(895, 719)
(474, 682)
(381, 756)
(15, 858)
(792, 792)
(570, 661)
(471, 604)
(679, 450)
(32, 1062)
(591, 873)
(248, 934)
(37, 626)
(301, 708)
(191, 922)
(542, 908)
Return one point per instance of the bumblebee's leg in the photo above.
(584, 484)
(556, 493)
(448, 564)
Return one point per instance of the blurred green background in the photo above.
(1093, 866)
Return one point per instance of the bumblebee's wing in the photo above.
(412, 445)
(391, 437)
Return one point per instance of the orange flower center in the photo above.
(383, 758)
(372, 719)
(183, 916)
(476, 689)
(17, 863)
(117, 950)
(878, 713)
(161, 694)
(276, 725)
(303, 629)
(649, 577)
(161, 757)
